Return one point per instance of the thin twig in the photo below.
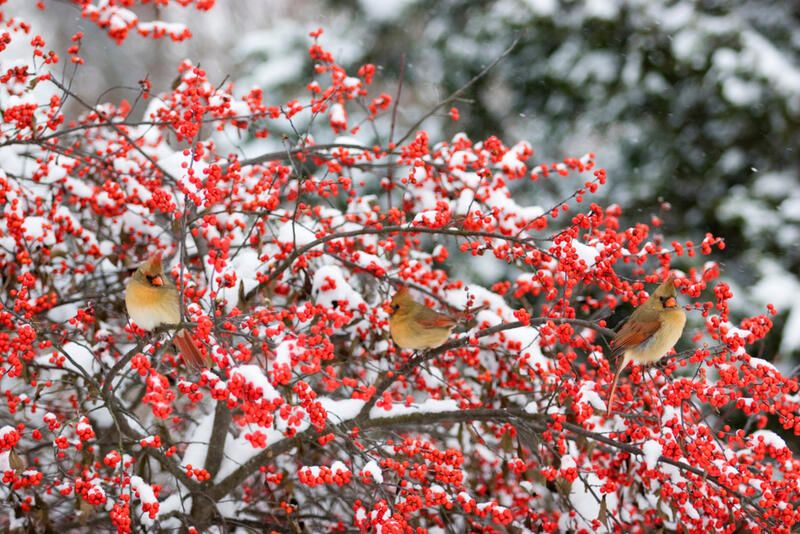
(460, 91)
(392, 165)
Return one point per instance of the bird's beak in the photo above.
(158, 281)
(671, 303)
(388, 308)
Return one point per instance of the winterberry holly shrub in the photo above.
(287, 249)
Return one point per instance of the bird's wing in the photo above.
(431, 319)
(635, 332)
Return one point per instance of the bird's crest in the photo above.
(401, 298)
(667, 288)
(153, 265)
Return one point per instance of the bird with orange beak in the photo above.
(414, 326)
(650, 332)
(153, 300)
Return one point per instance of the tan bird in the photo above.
(414, 326)
(153, 300)
(650, 332)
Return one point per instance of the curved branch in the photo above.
(400, 229)
(311, 149)
(118, 366)
(537, 422)
(388, 378)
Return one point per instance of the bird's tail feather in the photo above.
(191, 353)
(462, 315)
(625, 359)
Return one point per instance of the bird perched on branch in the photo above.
(650, 332)
(153, 300)
(415, 326)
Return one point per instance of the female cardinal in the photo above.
(152, 301)
(417, 327)
(650, 332)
